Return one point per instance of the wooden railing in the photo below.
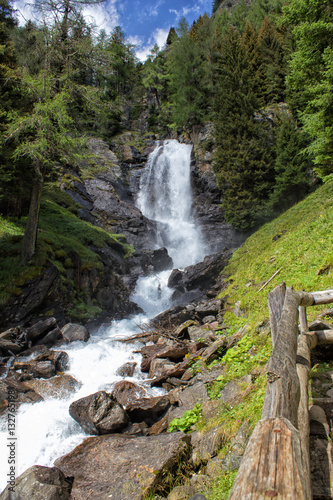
(276, 463)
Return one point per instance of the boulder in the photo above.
(125, 392)
(148, 410)
(126, 370)
(39, 483)
(127, 467)
(99, 413)
(73, 332)
(58, 387)
(160, 366)
(22, 392)
(36, 369)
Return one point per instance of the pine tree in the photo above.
(294, 178)
(244, 159)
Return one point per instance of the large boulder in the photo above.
(123, 467)
(38, 483)
(125, 392)
(19, 391)
(99, 413)
(73, 332)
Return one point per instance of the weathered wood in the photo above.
(303, 366)
(303, 319)
(283, 392)
(315, 298)
(272, 465)
(275, 306)
(270, 279)
(323, 336)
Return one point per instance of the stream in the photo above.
(45, 430)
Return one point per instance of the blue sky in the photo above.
(144, 22)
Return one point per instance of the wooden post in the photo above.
(283, 392)
(275, 307)
(272, 465)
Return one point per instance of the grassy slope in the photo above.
(61, 232)
(303, 251)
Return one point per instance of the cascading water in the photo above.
(166, 197)
(45, 430)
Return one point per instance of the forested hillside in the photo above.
(260, 72)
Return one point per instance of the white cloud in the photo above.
(104, 16)
(159, 36)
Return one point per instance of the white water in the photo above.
(45, 431)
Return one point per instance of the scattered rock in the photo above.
(72, 332)
(141, 465)
(126, 370)
(125, 392)
(39, 483)
(99, 413)
(59, 387)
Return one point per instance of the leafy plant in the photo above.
(188, 419)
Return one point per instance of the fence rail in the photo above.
(276, 463)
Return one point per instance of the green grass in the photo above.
(303, 251)
(63, 240)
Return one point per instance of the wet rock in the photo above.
(159, 367)
(204, 274)
(36, 369)
(50, 338)
(40, 329)
(126, 370)
(39, 483)
(148, 410)
(72, 332)
(125, 392)
(99, 413)
(174, 352)
(141, 464)
(8, 347)
(18, 391)
(59, 387)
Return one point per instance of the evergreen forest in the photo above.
(259, 71)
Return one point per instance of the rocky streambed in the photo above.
(134, 382)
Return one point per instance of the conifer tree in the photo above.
(244, 159)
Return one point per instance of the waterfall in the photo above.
(45, 430)
(166, 197)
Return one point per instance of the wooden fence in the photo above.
(276, 463)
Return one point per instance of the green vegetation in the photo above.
(187, 420)
(64, 241)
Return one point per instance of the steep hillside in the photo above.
(298, 245)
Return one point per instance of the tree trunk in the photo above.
(30, 234)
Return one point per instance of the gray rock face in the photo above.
(72, 332)
(99, 413)
(125, 467)
(39, 483)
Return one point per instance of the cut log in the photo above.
(272, 465)
(283, 392)
(275, 306)
(303, 319)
